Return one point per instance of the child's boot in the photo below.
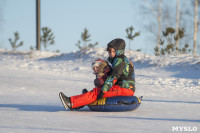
(84, 91)
(66, 101)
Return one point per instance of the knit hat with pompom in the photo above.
(97, 62)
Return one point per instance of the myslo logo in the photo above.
(184, 128)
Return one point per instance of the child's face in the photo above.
(96, 69)
(111, 52)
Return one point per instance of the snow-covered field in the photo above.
(30, 83)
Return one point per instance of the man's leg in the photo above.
(118, 91)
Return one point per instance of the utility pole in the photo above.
(38, 24)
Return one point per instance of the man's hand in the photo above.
(100, 95)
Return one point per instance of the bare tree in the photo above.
(157, 12)
(177, 22)
(2, 5)
(195, 26)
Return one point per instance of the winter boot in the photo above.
(66, 101)
(84, 91)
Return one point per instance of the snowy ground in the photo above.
(30, 83)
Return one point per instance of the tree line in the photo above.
(174, 27)
(47, 39)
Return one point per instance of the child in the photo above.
(120, 82)
(122, 69)
(101, 70)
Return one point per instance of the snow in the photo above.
(30, 83)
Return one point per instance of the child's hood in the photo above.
(118, 45)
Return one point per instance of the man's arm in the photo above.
(118, 66)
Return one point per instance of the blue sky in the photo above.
(105, 20)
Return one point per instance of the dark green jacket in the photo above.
(122, 72)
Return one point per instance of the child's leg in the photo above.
(118, 91)
(85, 99)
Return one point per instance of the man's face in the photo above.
(111, 52)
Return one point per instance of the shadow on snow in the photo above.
(154, 119)
(42, 108)
(190, 102)
(26, 107)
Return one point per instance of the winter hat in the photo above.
(118, 45)
(97, 62)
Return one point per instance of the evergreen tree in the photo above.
(13, 43)
(47, 37)
(171, 40)
(85, 38)
(130, 35)
(32, 48)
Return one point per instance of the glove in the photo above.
(98, 82)
(100, 95)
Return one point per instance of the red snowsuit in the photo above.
(91, 96)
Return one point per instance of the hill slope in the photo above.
(30, 83)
